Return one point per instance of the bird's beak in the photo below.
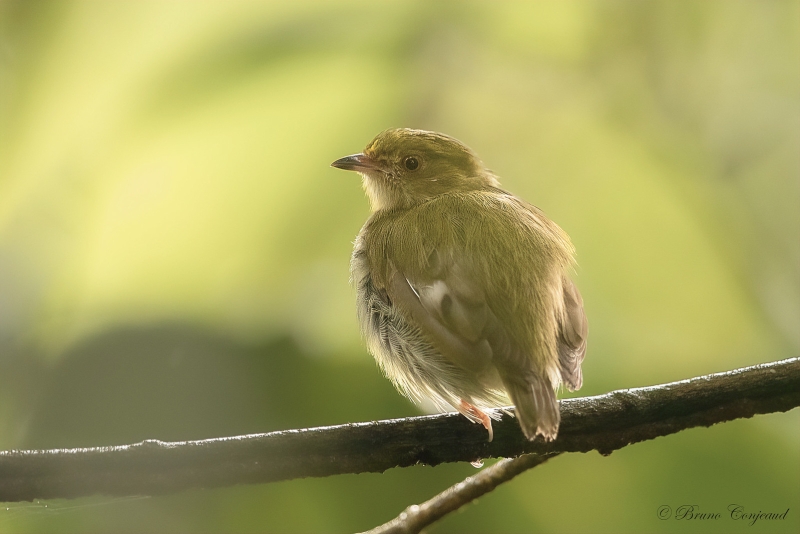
(356, 162)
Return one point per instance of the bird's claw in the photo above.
(477, 415)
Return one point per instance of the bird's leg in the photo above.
(474, 413)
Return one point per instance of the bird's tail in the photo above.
(536, 405)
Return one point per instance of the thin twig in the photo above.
(604, 423)
(417, 517)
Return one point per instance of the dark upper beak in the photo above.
(356, 162)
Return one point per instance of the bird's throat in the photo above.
(382, 195)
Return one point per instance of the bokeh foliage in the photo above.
(174, 248)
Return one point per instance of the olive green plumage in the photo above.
(463, 293)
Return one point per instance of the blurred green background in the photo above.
(174, 247)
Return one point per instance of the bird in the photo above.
(464, 291)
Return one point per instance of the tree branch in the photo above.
(417, 517)
(604, 423)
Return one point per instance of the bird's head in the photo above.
(402, 167)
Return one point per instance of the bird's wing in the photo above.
(572, 331)
(450, 307)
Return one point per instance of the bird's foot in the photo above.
(476, 414)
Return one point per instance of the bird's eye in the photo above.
(411, 163)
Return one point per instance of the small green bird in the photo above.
(463, 289)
